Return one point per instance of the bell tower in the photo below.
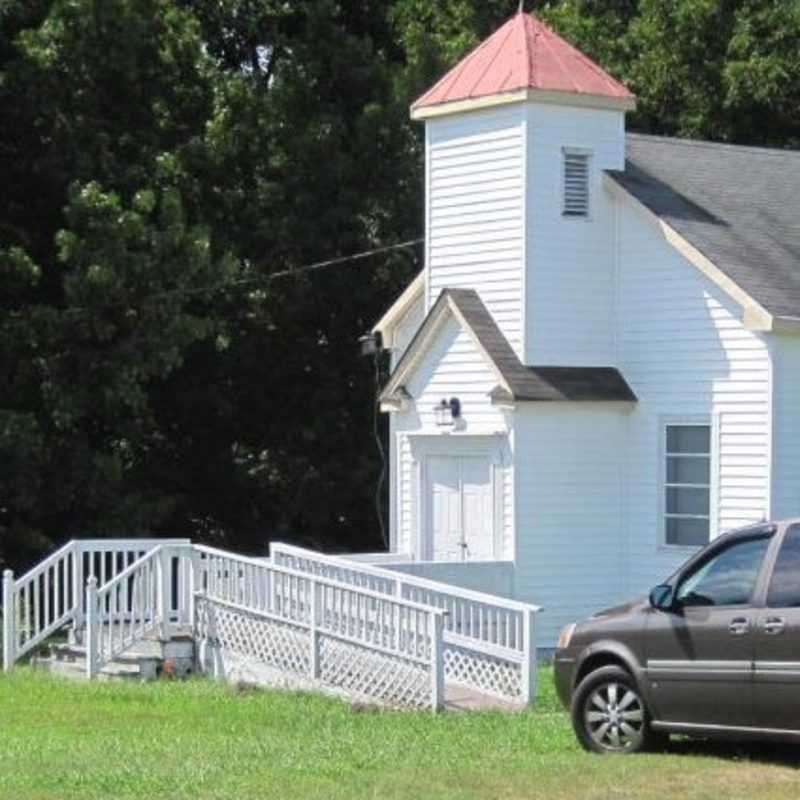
(518, 135)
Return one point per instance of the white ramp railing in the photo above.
(489, 641)
(39, 603)
(310, 619)
(274, 624)
(136, 602)
(52, 594)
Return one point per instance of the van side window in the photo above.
(728, 578)
(784, 588)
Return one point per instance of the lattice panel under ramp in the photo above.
(257, 639)
(489, 674)
(374, 676)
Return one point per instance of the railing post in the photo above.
(314, 633)
(92, 630)
(9, 621)
(528, 656)
(437, 660)
(164, 591)
(77, 586)
(195, 582)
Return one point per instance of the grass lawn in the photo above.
(199, 740)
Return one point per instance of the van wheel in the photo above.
(610, 716)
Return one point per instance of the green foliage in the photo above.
(162, 159)
(719, 69)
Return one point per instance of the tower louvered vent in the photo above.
(576, 184)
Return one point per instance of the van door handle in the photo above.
(773, 626)
(739, 626)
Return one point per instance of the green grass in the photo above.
(201, 740)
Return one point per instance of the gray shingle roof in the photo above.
(549, 383)
(739, 206)
(571, 383)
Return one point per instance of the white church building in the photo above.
(597, 371)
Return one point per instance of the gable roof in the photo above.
(516, 381)
(524, 54)
(738, 206)
(576, 384)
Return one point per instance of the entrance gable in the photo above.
(453, 367)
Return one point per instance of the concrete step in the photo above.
(115, 671)
(145, 660)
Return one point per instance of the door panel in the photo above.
(777, 644)
(699, 670)
(445, 493)
(700, 655)
(461, 508)
(476, 483)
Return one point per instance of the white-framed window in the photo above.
(575, 182)
(687, 483)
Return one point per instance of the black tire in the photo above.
(609, 714)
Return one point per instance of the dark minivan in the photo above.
(714, 651)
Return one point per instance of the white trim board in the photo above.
(400, 307)
(522, 96)
(426, 334)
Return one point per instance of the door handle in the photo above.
(773, 626)
(739, 626)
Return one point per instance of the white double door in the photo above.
(460, 502)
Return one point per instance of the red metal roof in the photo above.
(523, 54)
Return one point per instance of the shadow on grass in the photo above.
(784, 754)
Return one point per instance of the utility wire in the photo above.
(264, 280)
(381, 451)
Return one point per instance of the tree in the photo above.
(726, 70)
(166, 163)
(93, 227)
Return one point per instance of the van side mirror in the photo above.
(662, 597)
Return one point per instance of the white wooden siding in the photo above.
(785, 353)
(569, 551)
(454, 367)
(475, 210)
(685, 353)
(403, 492)
(489, 577)
(582, 499)
(570, 276)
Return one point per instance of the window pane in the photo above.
(688, 439)
(687, 532)
(784, 589)
(728, 578)
(688, 470)
(687, 501)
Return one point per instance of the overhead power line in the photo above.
(263, 280)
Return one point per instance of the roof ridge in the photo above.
(494, 55)
(457, 69)
(686, 142)
(530, 52)
(541, 32)
(611, 81)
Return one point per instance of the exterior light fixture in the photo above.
(370, 344)
(447, 412)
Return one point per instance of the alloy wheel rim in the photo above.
(614, 716)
